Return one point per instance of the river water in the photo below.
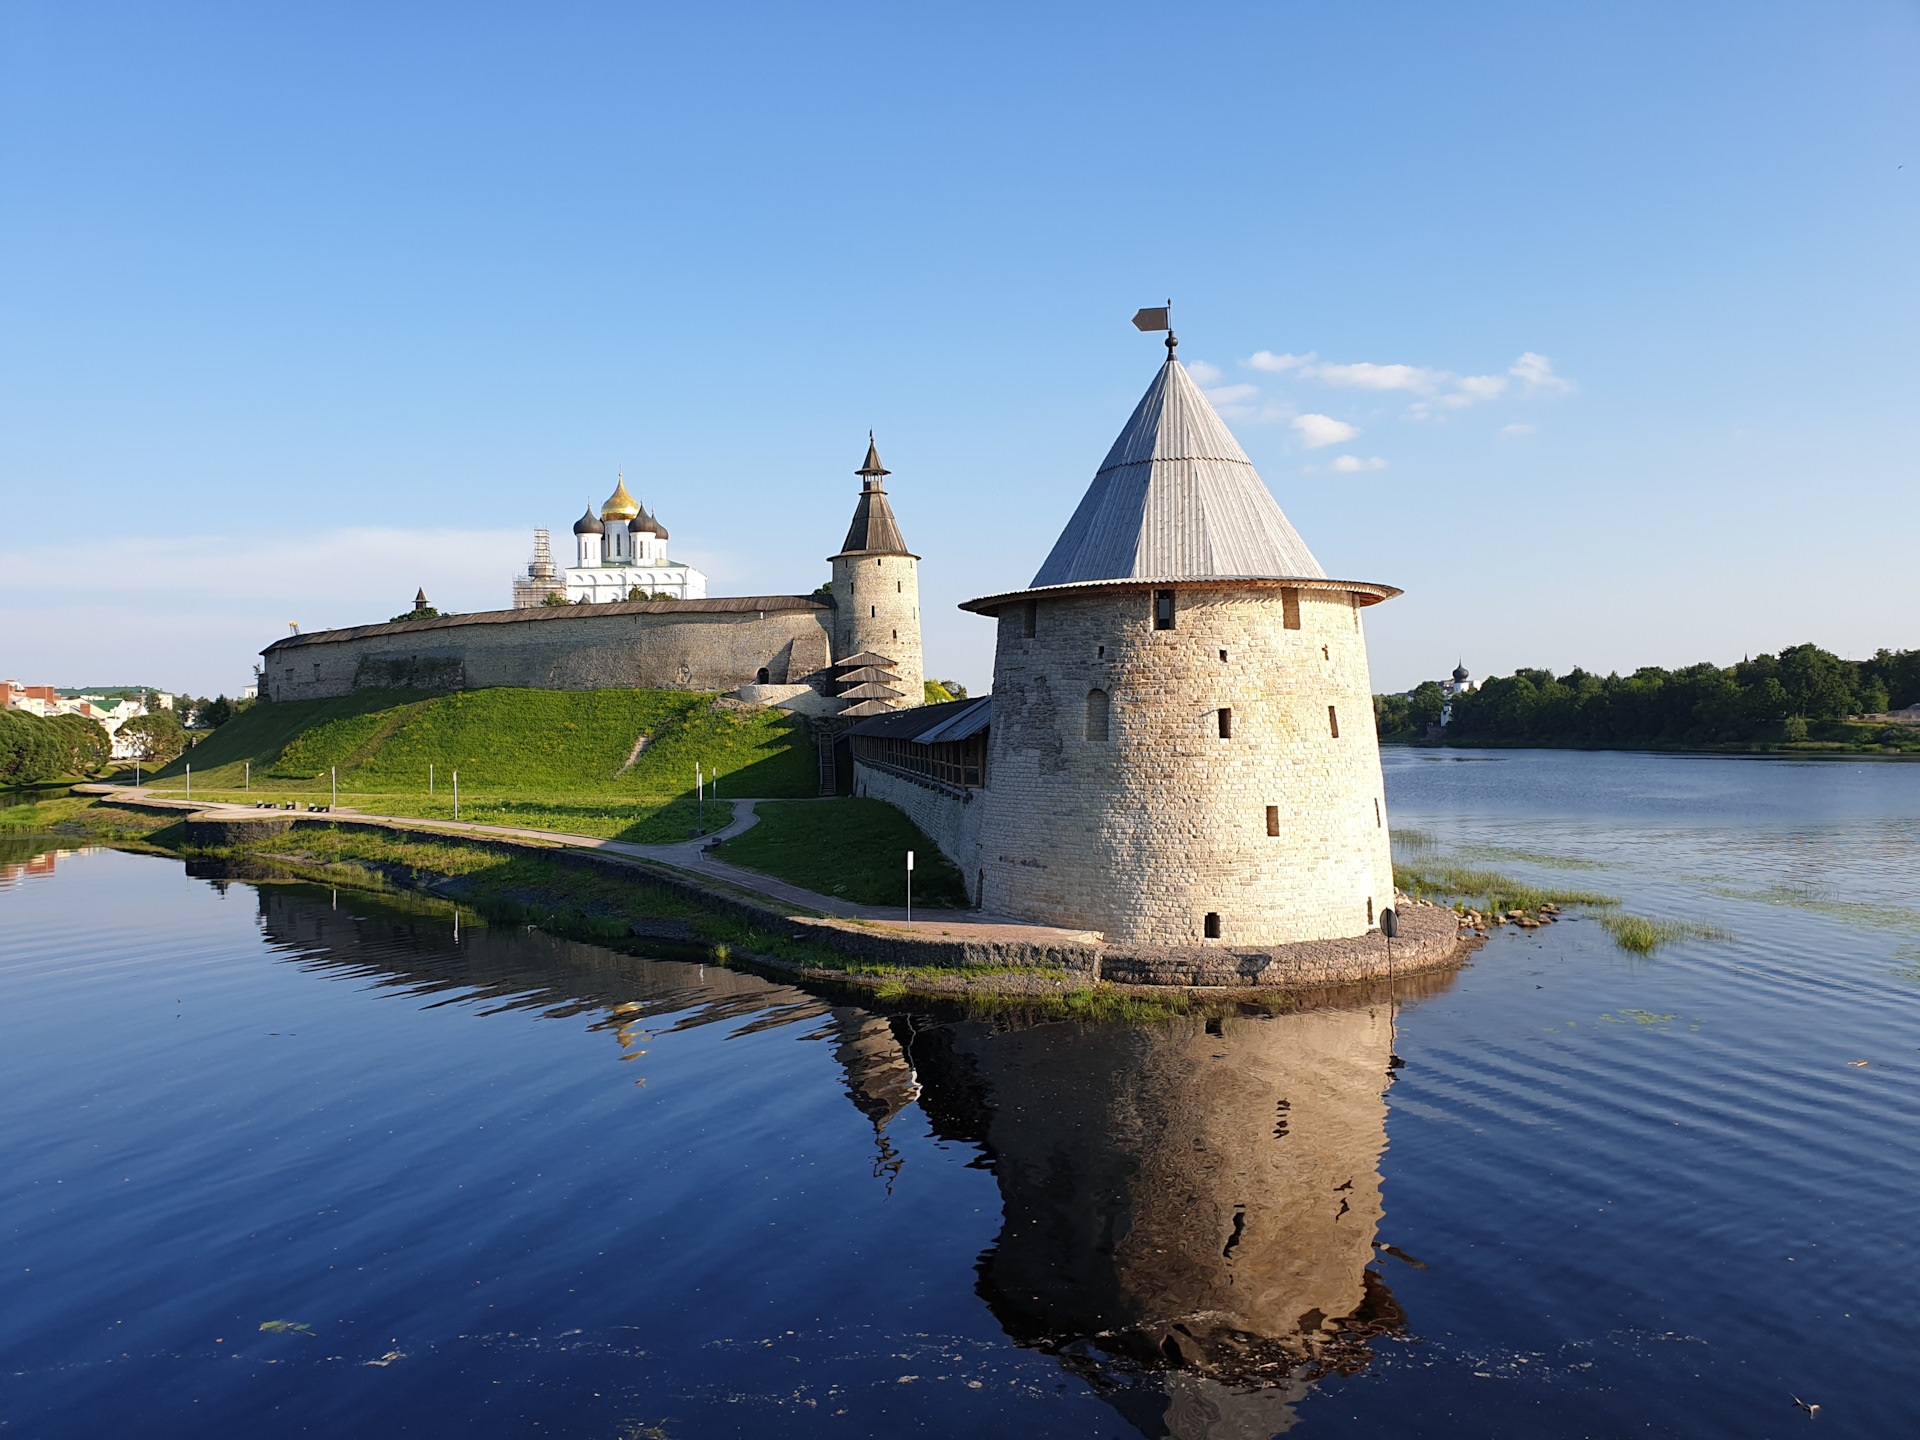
(284, 1161)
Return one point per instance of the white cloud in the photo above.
(1537, 372)
(1351, 463)
(1267, 360)
(1203, 373)
(1482, 387)
(1232, 394)
(1516, 429)
(1367, 376)
(1318, 430)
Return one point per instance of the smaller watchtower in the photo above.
(876, 587)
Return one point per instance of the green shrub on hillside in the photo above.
(40, 747)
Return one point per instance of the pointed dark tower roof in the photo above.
(420, 598)
(874, 530)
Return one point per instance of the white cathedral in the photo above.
(619, 554)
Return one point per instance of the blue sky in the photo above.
(1610, 310)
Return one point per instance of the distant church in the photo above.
(619, 554)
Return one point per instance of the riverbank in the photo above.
(593, 888)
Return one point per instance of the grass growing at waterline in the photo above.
(1643, 936)
(643, 819)
(1488, 890)
(852, 848)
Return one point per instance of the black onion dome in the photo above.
(1459, 673)
(658, 528)
(643, 524)
(589, 524)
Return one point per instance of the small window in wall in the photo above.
(1226, 723)
(1290, 608)
(1163, 609)
(899, 587)
(1333, 721)
(1369, 909)
(873, 612)
(1223, 657)
(1376, 813)
(1211, 926)
(896, 634)
(1102, 653)
(1030, 619)
(1325, 654)
(760, 676)
(1099, 714)
(1273, 819)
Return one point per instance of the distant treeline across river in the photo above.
(1804, 697)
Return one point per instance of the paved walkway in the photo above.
(687, 855)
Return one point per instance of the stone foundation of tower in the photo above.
(1238, 777)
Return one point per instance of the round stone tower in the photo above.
(1183, 748)
(876, 587)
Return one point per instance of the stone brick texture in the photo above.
(652, 651)
(1144, 834)
(952, 818)
(878, 596)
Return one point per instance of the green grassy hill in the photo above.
(548, 758)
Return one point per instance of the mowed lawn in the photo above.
(544, 759)
(850, 848)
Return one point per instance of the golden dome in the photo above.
(620, 505)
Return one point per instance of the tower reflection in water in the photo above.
(1191, 1208)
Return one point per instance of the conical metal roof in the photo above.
(873, 465)
(1177, 499)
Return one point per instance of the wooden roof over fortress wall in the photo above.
(730, 605)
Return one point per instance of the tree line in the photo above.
(38, 748)
(1767, 697)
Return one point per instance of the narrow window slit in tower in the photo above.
(1376, 812)
(1369, 909)
(1325, 654)
(1226, 723)
(1030, 619)
(1163, 609)
(1333, 721)
(1211, 926)
(1290, 608)
(1102, 654)
(1273, 819)
(1223, 657)
(873, 612)
(1099, 714)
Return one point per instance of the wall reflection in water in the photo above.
(1191, 1208)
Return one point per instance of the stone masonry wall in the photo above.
(1143, 834)
(879, 610)
(658, 650)
(953, 819)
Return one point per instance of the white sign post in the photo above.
(429, 779)
(909, 889)
(456, 794)
(333, 775)
(189, 782)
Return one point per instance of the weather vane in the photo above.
(1158, 317)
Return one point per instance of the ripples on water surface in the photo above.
(514, 1185)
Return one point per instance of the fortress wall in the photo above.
(954, 824)
(1141, 835)
(668, 648)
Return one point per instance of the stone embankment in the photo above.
(943, 952)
